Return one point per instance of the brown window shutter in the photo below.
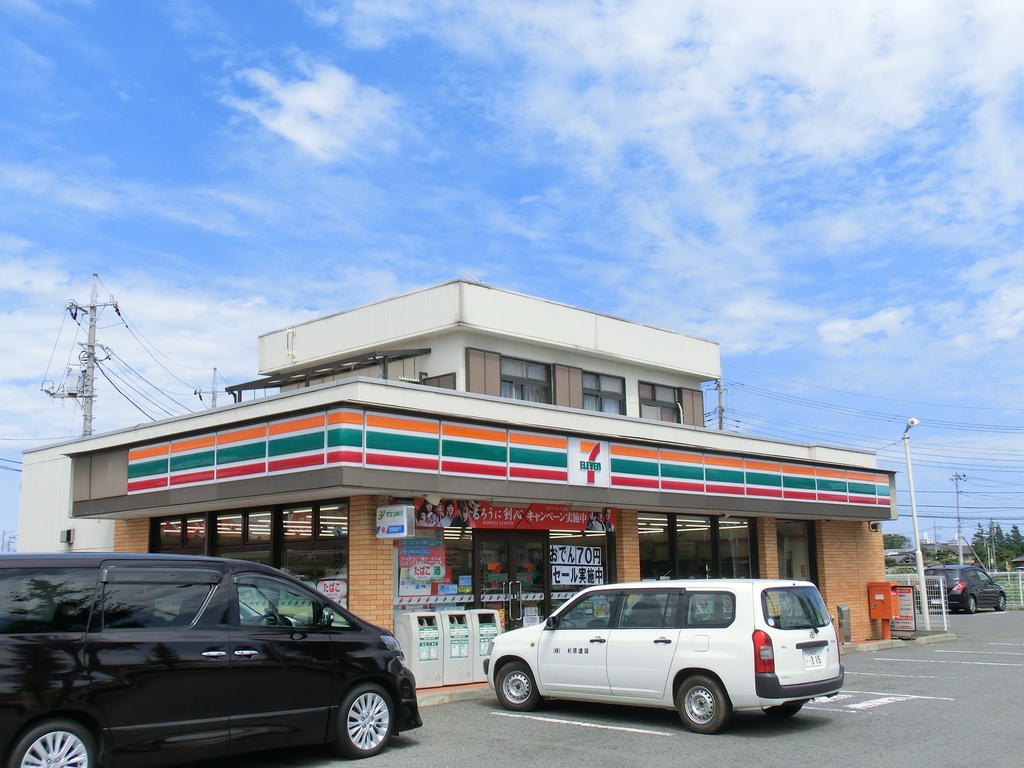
(492, 374)
(568, 386)
(483, 372)
(693, 407)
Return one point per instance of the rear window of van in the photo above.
(794, 608)
(45, 599)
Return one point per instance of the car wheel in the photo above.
(516, 688)
(63, 743)
(702, 704)
(784, 710)
(1001, 602)
(366, 721)
(971, 606)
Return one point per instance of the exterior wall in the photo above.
(370, 563)
(395, 322)
(767, 548)
(849, 557)
(131, 535)
(627, 547)
(45, 508)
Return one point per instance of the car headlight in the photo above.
(392, 644)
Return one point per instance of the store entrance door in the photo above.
(511, 577)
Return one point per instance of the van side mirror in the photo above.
(551, 622)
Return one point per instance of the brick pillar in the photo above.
(370, 563)
(850, 555)
(131, 535)
(767, 548)
(627, 547)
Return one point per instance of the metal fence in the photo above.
(1013, 584)
(935, 586)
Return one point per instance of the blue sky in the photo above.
(831, 190)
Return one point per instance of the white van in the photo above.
(706, 648)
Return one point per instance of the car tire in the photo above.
(516, 688)
(702, 705)
(784, 710)
(971, 604)
(61, 741)
(366, 721)
(1001, 602)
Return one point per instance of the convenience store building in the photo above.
(539, 448)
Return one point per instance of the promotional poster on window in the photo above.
(480, 513)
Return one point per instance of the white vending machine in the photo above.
(455, 648)
(484, 626)
(419, 634)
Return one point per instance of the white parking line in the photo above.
(872, 703)
(989, 653)
(896, 674)
(580, 723)
(900, 695)
(1015, 645)
(950, 661)
(831, 709)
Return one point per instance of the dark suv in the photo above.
(156, 659)
(969, 588)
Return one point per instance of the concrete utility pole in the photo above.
(922, 586)
(957, 477)
(721, 404)
(86, 393)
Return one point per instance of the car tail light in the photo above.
(764, 652)
(960, 586)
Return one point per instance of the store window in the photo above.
(244, 536)
(797, 553)
(523, 380)
(603, 393)
(315, 545)
(695, 547)
(658, 402)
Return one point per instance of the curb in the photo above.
(429, 697)
(881, 645)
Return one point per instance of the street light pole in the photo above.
(921, 587)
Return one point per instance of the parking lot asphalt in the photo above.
(942, 704)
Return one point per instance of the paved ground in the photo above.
(953, 703)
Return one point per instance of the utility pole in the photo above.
(957, 478)
(213, 387)
(721, 404)
(86, 392)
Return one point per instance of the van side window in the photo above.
(645, 610)
(592, 612)
(710, 609)
(794, 608)
(146, 606)
(46, 599)
(268, 602)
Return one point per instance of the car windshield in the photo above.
(794, 608)
(951, 576)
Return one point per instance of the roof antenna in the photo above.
(466, 274)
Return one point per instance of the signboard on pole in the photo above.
(904, 621)
(396, 521)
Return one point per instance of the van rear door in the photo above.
(804, 641)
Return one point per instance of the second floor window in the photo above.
(604, 393)
(659, 402)
(523, 380)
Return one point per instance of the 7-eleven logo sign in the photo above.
(588, 462)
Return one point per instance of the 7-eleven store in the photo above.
(517, 506)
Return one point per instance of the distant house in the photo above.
(1017, 563)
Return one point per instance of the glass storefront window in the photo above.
(258, 527)
(333, 520)
(655, 562)
(313, 563)
(734, 549)
(195, 531)
(694, 557)
(229, 529)
(297, 522)
(170, 533)
(795, 543)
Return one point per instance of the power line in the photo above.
(122, 394)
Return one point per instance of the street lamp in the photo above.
(921, 588)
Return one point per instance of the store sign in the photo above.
(481, 513)
(396, 521)
(576, 566)
(904, 621)
(336, 589)
(589, 462)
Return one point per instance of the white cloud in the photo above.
(329, 116)
(848, 332)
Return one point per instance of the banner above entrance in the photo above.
(479, 513)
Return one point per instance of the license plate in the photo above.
(815, 658)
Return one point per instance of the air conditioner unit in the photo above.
(67, 536)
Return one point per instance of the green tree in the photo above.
(895, 541)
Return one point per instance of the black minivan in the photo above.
(145, 660)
